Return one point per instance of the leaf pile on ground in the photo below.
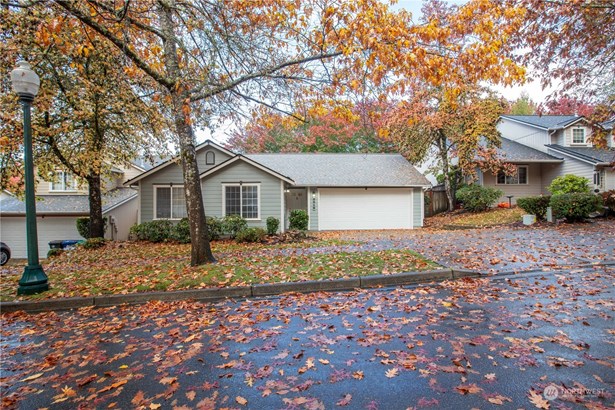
(129, 267)
(473, 343)
(461, 218)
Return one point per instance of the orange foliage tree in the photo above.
(207, 58)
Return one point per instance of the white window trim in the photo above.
(527, 174)
(170, 205)
(258, 198)
(74, 188)
(584, 143)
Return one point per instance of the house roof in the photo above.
(516, 152)
(546, 122)
(344, 170)
(207, 143)
(588, 154)
(249, 161)
(67, 204)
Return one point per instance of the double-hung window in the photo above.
(63, 181)
(578, 136)
(242, 200)
(518, 178)
(170, 202)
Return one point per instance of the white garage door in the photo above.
(13, 233)
(358, 208)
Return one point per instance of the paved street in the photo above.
(533, 341)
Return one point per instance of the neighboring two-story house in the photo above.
(61, 199)
(545, 147)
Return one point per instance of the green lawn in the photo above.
(139, 267)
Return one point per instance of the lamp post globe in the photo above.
(26, 84)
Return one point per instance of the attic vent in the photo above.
(210, 158)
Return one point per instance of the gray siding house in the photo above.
(545, 147)
(338, 191)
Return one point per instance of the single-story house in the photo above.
(338, 191)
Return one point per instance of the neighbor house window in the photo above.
(170, 202)
(242, 200)
(63, 181)
(210, 158)
(518, 178)
(578, 136)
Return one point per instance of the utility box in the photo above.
(550, 214)
(529, 219)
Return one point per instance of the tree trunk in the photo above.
(97, 224)
(201, 250)
(446, 170)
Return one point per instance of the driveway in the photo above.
(527, 341)
(498, 249)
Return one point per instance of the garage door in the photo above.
(358, 208)
(13, 233)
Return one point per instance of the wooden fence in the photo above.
(437, 200)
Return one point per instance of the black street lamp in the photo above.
(26, 84)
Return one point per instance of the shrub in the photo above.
(181, 231)
(232, 224)
(250, 235)
(575, 206)
(477, 198)
(52, 253)
(608, 198)
(273, 224)
(154, 231)
(568, 184)
(93, 243)
(298, 219)
(214, 228)
(83, 226)
(535, 205)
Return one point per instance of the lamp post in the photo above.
(26, 84)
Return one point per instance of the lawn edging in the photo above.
(266, 289)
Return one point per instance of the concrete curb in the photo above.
(270, 289)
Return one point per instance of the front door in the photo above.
(296, 198)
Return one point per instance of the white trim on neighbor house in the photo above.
(155, 205)
(242, 184)
(140, 200)
(175, 160)
(62, 181)
(282, 206)
(422, 207)
(412, 208)
(250, 162)
(527, 177)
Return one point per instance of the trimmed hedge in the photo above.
(273, 224)
(154, 231)
(568, 184)
(535, 205)
(250, 235)
(298, 219)
(477, 198)
(575, 206)
(83, 226)
(233, 224)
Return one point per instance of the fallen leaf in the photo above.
(391, 373)
(344, 401)
(241, 400)
(33, 377)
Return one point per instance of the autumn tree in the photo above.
(523, 105)
(88, 115)
(569, 41)
(450, 124)
(321, 128)
(210, 58)
(566, 105)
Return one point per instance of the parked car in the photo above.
(5, 253)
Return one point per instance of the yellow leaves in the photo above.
(538, 400)
(241, 400)
(33, 377)
(394, 372)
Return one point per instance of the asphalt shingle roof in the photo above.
(66, 204)
(344, 170)
(550, 122)
(516, 152)
(592, 154)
